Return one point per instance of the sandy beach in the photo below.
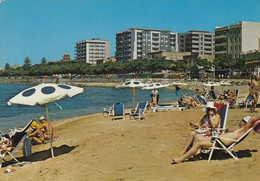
(93, 147)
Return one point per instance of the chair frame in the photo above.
(228, 148)
(108, 111)
(138, 111)
(13, 149)
(120, 114)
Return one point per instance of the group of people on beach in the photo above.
(41, 133)
(38, 135)
(211, 122)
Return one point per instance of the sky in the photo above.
(49, 28)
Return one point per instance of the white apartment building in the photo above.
(237, 39)
(91, 51)
(199, 42)
(137, 43)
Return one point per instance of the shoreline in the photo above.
(93, 147)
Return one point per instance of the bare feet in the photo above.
(175, 161)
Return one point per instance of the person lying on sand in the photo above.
(210, 120)
(36, 135)
(201, 141)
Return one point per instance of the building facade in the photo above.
(199, 42)
(137, 43)
(237, 39)
(168, 55)
(91, 51)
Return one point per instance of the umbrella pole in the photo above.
(47, 113)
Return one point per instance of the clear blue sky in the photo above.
(49, 28)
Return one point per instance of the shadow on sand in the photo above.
(43, 155)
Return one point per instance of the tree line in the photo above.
(135, 66)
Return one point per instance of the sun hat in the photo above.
(42, 118)
(34, 125)
(209, 105)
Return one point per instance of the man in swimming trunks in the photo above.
(36, 134)
(47, 127)
(253, 90)
(205, 142)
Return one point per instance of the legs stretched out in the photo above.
(199, 142)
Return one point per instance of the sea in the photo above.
(91, 101)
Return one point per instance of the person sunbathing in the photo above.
(210, 120)
(5, 145)
(201, 141)
(36, 135)
(47, 127)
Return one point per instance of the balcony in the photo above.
(220, 44)
(221, 37)
(220, 52)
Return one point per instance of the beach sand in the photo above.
(96, 148)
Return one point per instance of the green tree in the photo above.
(43, 61)
(27, 63)
(7, 66)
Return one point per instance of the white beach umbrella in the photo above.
(155, 86)
(209, 84)
(133, 84)
(224, 83)
(43, 94)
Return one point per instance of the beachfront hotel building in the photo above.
(92, 51)
(136, 43)
(199, 42)
(237, 39)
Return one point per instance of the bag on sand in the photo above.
(27, 147)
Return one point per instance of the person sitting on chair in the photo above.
(5, 144)
(47, 127)
(210, 120)
(36, 135)
(201, 141)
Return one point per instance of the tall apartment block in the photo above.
(137, 43)
(237, 39)
(199, 42)
(91, 51)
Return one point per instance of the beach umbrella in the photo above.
(43, 94)
(133, 84)
(209, 84)
(155, 86)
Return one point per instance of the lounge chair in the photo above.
(17, 139)
(219, 145)
(118, 111)
(139, 111)
(201, 99)
(167, 107)
(248, 101)
(108, 111)
(223, 115)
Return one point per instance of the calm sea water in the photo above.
(92, 100)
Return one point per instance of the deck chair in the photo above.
(108, 111)
(223, 112)
(248, 101)
(17, 139)
(212, 95)
(139, 111)
(219, 145)
(201, 99)
(118, 111)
